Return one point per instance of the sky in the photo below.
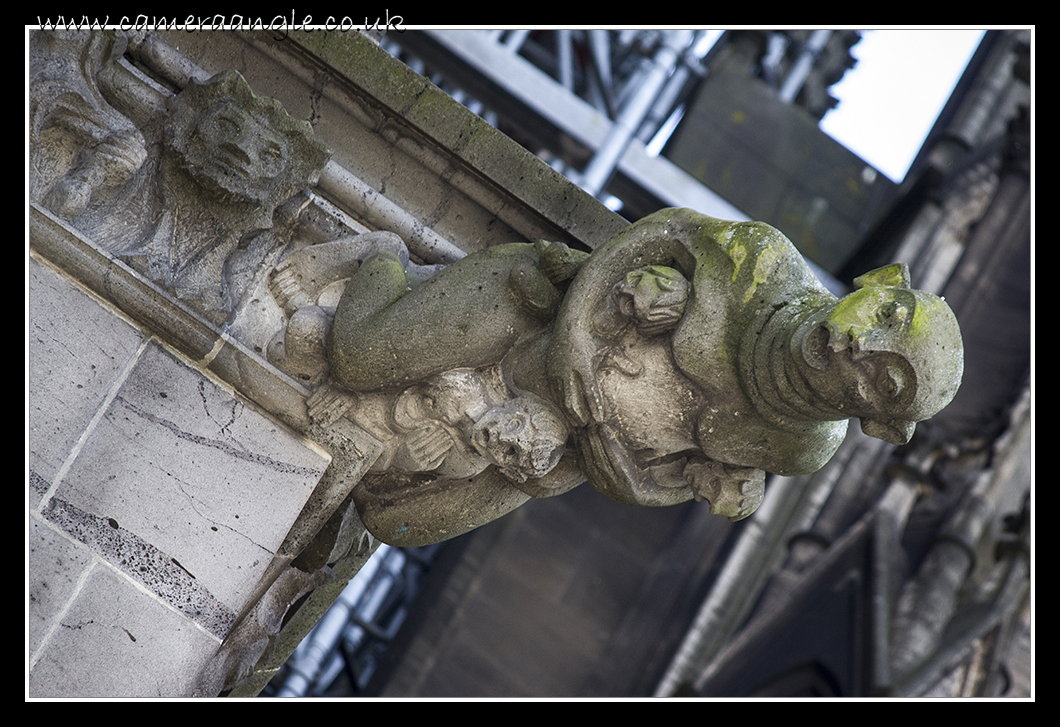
(890, 99)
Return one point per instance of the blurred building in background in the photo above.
(893, 571)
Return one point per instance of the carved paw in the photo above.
(285, 286)
(300, 348)
(581, 393)
(732, 491)
(534, 292)
(558, 261)
(328, 404)
(424, 449)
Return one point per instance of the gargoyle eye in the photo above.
(892, 313)
(889, 383)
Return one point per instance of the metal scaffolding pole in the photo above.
(803, 66)
(606, 159)
(548, 110)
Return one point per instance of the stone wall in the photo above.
(158, 497)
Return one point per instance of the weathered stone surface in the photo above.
(113, 642)
(684, 358)
(170, 442)
(77, 351)
(56, 566)
(168, 191)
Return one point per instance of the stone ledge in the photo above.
(413, 101)
(149, 306)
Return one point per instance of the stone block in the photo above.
(55, 566)
(77, 351)
(115, 640)
(182, 465)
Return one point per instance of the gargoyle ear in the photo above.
(889, 276)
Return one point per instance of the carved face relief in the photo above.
(654, 296)
(236, 150)
(240, 146)
(918, 337)
(523, 442)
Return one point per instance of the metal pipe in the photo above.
(775, 50)
(566, 58)
(665, 106)
(801, 70)
(607, 157)
(360, 621)
(600, 47)
(516, 39)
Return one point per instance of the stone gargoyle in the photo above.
(684, 358)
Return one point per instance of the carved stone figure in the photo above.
(183, 187)
(243, 149)
(452, 426)
(82, 148)
(686, 357)
(230, 159)
(770, 364)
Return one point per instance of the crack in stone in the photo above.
(247, 456)
(237, 410)
(217, 523)
(77, 626)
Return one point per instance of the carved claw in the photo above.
(534, 292)
(615, 358)
(108, 166)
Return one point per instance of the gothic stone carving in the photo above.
(230, 159)
(683, 359)
(187, 193)
(82, 147)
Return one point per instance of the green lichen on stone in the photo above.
(682, 358)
